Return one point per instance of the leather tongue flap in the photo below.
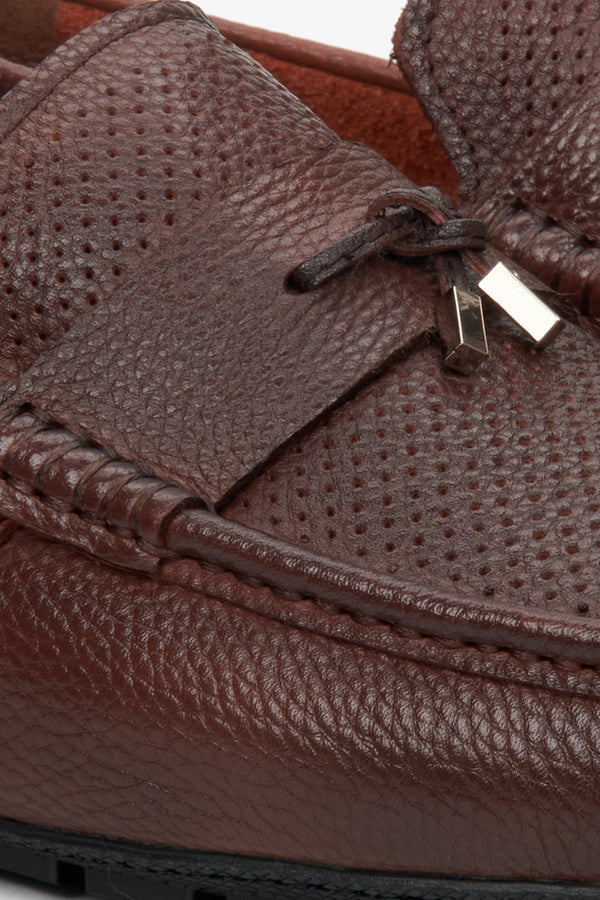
(172, 186)
(206, 363)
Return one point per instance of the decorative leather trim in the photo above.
(378, 600)
(71, 473)
(63, 485)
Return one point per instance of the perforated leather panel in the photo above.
(488, 484)
(114, 160)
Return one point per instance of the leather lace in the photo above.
(411, 223)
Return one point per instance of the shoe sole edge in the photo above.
(111, 869)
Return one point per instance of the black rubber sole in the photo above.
(118, 870)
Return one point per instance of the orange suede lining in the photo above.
(389, 121)
(72, 18)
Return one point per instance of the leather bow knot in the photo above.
(419, 223)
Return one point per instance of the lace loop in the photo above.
(420, 222)
(410, 224)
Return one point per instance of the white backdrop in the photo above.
(370, 30)
(330, 23)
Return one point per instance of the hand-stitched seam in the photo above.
(117, 477)
(159, 554)
(289, 595)
(541, 224)
(523, 657)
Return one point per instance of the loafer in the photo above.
(288, 607)
(362, 98)
(512, 91)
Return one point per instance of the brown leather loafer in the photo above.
(287, 606)
(360, 97)
(512, 90)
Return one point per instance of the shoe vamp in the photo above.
(488, 485)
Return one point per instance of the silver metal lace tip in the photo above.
(462, 328)
(540, 323)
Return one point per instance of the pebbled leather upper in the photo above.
(334, 665)
(511, 89)
(211, 191)
(174, 715)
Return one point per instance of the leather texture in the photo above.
(512, 89)
(172, 162)
(485, 485)
(356, 96)
(195, 327)
(174, 716)
(273, 581)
